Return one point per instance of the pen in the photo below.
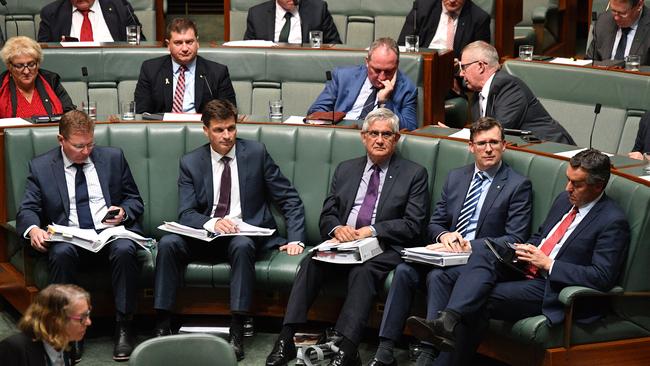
(210, 234)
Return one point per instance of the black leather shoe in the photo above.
(76, 351)
(237, 343)
(376, 362)
(283, 352)
(123, 341)
(343, 359)
(439, 332)
(161, 332)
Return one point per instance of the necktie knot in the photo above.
(626, 30)
(225, 160)
(480, 176)
(85, 12)
(78, 166)
(288, 16)
(182, 68)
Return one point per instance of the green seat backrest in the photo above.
(623, 96)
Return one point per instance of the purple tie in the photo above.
(223, 206)
(364, 217)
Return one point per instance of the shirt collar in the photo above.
(383, 166)
(68, 163)
(588, 206)
(490, 173)
(485, 91)
(51, 352)
(190, 67)
(216, 156)
(279, 11)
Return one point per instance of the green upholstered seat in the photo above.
(183, 349)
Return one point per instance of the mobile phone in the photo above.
(511, 246)
(111, 214)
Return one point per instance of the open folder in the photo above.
(202, 234)
(508, 256)
(90, 240)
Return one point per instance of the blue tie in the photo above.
(81, 197)
(471, 201)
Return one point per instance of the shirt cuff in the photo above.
(550, 269)
(26, 233)
(209, 225)
(374, 232)
(331, 233)
(297, 242)
(439, 235)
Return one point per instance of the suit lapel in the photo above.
(242, 157)
(206, 166)
(389, 182)
(304, 22)
(269, 22)
(608, 41)
(586, 222)
(103, 174)
(168, 83)
(464, 18)
(58, 172)
(66, 19)
(496, 187)
(352, 93)
(199, 74)
(641, 34)
(468, 174)
(351, 193)
(432, 24)
(111, 17)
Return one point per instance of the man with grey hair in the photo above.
(620, 31)
(378, 195)
(357, 90)
(505, 97)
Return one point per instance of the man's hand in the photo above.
(454, 242)
(533, 255)
(292, 248)
(37, 238)
(344, 233)
(635, 155)
(384, 94)
(440, 124)
(364, 232)
(117, 220)
(225, 226)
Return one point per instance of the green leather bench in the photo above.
(307, 156)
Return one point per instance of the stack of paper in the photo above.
(202, 234)
(351, 252)
(90, 240)
(434, 257)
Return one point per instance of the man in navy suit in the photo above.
(582, 242)
(75, 185)
(108, 20)
(642, 141)
(468, 21)
(378, 195)
(357, 90)
(267, 21)
(502, 212)
(219, 183)
(158, 89)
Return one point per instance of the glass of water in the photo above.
(412, 43)
(90, 109)
(526, 52)
(315, 39)
(632, 62)
(275, 110)
(128, 110)
(133, 34)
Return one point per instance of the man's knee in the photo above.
(405, 274)
(169, 245)
(241, 246)
(62, 252)
(123, 249)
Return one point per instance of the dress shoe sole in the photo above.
(423, 332)
(121, 358)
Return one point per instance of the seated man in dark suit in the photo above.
(158, 89)
(642, 142)
(221, 183)
(75, 185)
(446, 24)
(583, 242)
(357, 90)
(505, 97)
(378, 195)
(290, 21)
(87, 20)
(621, 31)
(483, 199)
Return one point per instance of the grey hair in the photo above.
(387, 42)
(381, 114)
(485, 52)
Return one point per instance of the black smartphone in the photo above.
(111, 214)
(511, 246)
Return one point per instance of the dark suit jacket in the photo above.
(505, 214)
(46, 198)
(402, 208)
(20, 350)
(591, 256)
(261, 183)
(154, 92)
(642, 142)
(513, 104)
(260, 23)
(605, 35)
(473, 24)
(55, 83)
(56, 19)
(341, 93)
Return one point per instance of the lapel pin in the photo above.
(166, 81)
(110, 9)
(498, 187)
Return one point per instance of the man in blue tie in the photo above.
(483, 199)
(76, 184)
(378, 195)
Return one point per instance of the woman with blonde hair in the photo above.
(26, 90)
(59, 314)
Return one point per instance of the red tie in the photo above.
(555, 238)
(86, 28)
(179, 94)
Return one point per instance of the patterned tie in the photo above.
(553, 239)
(450, 30)
(223, 206)
(364, 218)
(481, 99)
(369, 105)
(471, 201)
(622, 43)
(284, 33)
(81, 197)
(86, 34)
(179, 94)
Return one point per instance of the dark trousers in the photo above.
(364, 282)
(175, 252)
(64, 260)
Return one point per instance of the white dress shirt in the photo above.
(630, 38)
(96, 200)
(101, 33)
(295, 32)
(483, 95)
(439, 40)
(358, 105)
(235, 199)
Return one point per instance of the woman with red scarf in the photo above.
(26, 90)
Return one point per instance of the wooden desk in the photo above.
(507, 13)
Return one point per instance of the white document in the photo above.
(351, 252)
(9, 122)
(435, 257)
(569, 154)
(182, 117)
(205, 330)
(295, 120)
(251, 43)
(646, 177)
(202, 234)
(462, 134)
(90, 240)
(570, 61)
(81, 44)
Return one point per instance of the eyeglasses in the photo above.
(386, 135)
(82, 146)
(81, 318)
(465, 66)
(20, 67)
(483, 144)
(621, 14)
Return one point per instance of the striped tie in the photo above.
(177, 106)
(469, 206)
